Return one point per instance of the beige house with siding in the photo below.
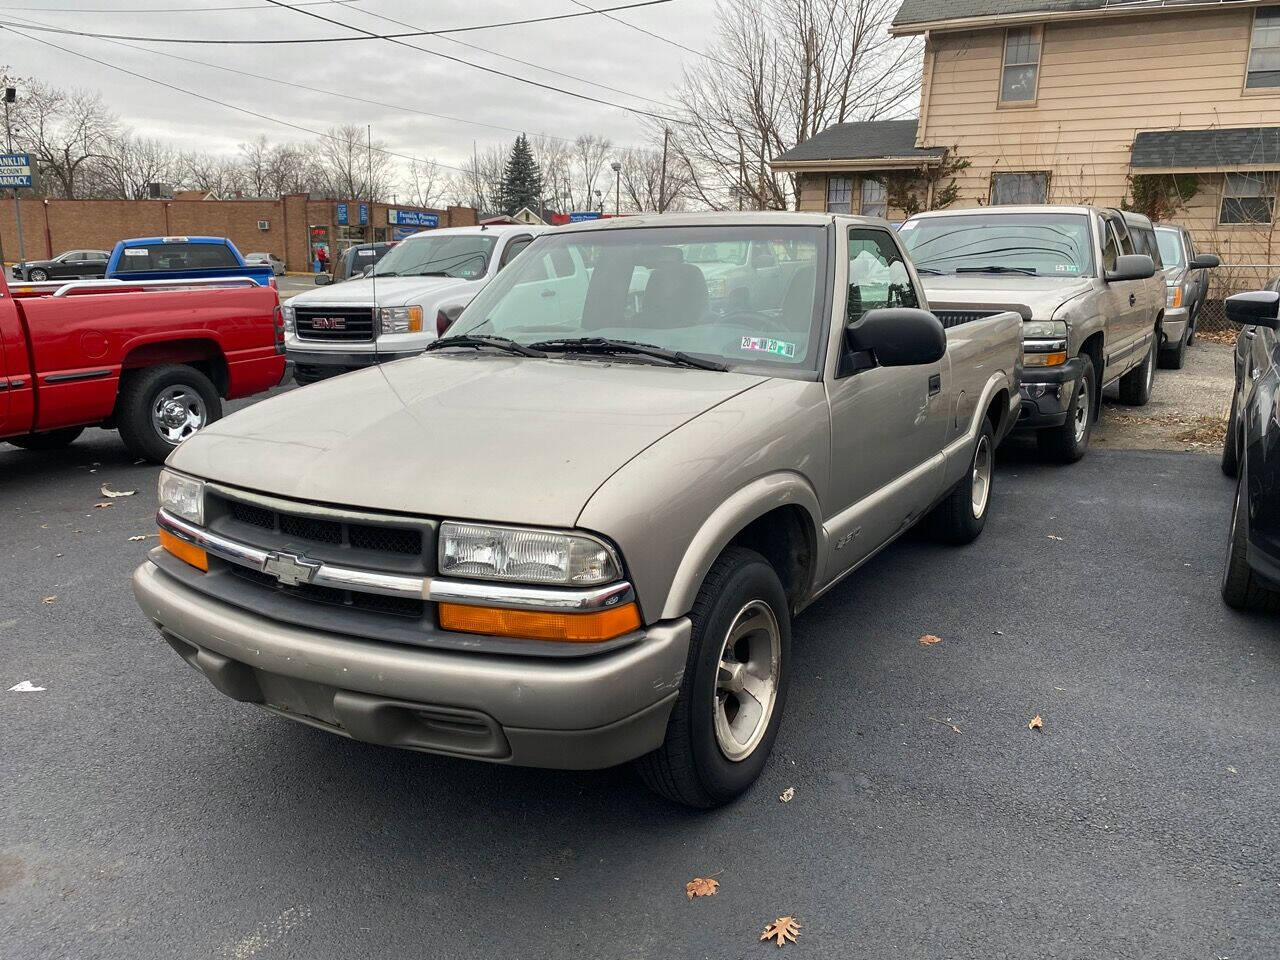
(1169, 106)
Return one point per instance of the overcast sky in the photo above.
(590, 47)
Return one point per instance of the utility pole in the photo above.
(11, 96)
(662, 180)
(617, 189)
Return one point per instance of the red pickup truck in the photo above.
(153, 359)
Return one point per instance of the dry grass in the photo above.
(1193, 431)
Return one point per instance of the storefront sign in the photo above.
(15, 170)
(412, 218)
(341, 218)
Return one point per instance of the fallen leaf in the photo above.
(1035, 723)
(947, 722)
(928, 640)
(99, 506)
(142, 536)
(50, 599)
(782, 929)
(701, 887)
(1232, 770)
(25, 686)
(997, 633)
(786, 795)
(1054, 537)
(116, 493)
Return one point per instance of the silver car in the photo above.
(575, 531)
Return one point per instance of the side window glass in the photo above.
(1110, 247)
(513, 250)
(878, 275)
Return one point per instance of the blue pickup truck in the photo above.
(182, 258)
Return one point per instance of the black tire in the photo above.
(690, 767)
(53, 440)
(956, 520)
(1231, 442)
(1172, 358)
(37, 276)
(1241, 587)
(1064, 443)
(1135, 386)
(142, 390)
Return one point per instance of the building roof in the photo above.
(1213, 149)
(935, 11)
(868, 140)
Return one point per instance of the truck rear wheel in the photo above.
(1068, 442)
(159, 407)
(1241, 589)
(53, 440)
(1135, 386)
(727, 715)
(959, 518)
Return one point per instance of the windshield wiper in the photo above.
(432, 273)
(384, 273)
(936, 273)
(605, 346)
(479, 342)
(998, 268)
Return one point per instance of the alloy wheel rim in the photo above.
(1151, 368)
(1082, 409)
(38, 275)
(981, 486)
(177, 412)
(747, 671)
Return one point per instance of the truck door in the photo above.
(887, 423)
(1120, 313)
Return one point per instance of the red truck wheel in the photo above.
(159, 407)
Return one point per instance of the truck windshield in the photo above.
(1170, 247)
(462, 255)
(1052, 244)
(667, 287)
(176, 256)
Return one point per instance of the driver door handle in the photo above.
(1132, 299)
(547, 294)
(935, 384)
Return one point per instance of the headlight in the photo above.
(1173, 297)
(400, 319)
(1044, 329)
(290, 315)
(525, 555)
(1044, 343)
(181, 496)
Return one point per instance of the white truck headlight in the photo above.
(525, 555)
(290, 316)
(181, 496)
(400, 319)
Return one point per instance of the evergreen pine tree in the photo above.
(521, 180)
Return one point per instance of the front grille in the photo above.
(954, 318)
(400, 540)
(334, 324)
(368, 602)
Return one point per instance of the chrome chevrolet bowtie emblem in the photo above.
(289, 568)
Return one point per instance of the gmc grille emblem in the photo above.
(290, 569)
(329, 323)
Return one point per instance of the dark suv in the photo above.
(1252, 453)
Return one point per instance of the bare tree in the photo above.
(479, 185)
(555, 159)
(589, 153)
(352, 167)
(642, 181)
(255, 164)
(220, 175)
(65, 130)
(425, 184)
(779, 72)
(131, 164)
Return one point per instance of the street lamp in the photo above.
(617, 188)
(11, 96)
(600, 200)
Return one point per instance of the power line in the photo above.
(238, 6)
(500, 73)
(605, 12)
(277, 41)
(223, 103)
(501, 56)
(303, 86)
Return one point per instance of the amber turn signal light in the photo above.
(1044, 359)
(594, 627)
(186, 552)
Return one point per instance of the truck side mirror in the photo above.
(898, 336)
(1204, 261)
(1132, 266)
(323, 279)
(1257, 308)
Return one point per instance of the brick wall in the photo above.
(51, 226)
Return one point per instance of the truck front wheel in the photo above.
(726, 717)
(159, 407)
(1068, 442)
(959, 518)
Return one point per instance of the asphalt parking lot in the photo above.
(148, 816)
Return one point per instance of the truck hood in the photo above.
(473, 436)
(1036, 298)
(389, 291)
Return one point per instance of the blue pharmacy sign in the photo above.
(15, 169)
(580, 215)
(364, 214)
(341, 218)
(412, 218)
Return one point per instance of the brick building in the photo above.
(285, 227)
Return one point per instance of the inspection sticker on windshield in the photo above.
(779, 348)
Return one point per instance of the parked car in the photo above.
(1251, 452)
(183, 258)
(69, 265)
(153, 361)
(354, 261)
(1093, 304)
(575, 531)
(1186, 278)
(408, 298)
(268, 260)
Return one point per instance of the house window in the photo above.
(1007, 188)
(1021, 65)
(1264, 50)
(875, 199)
(839, 194)
(1248, 198)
